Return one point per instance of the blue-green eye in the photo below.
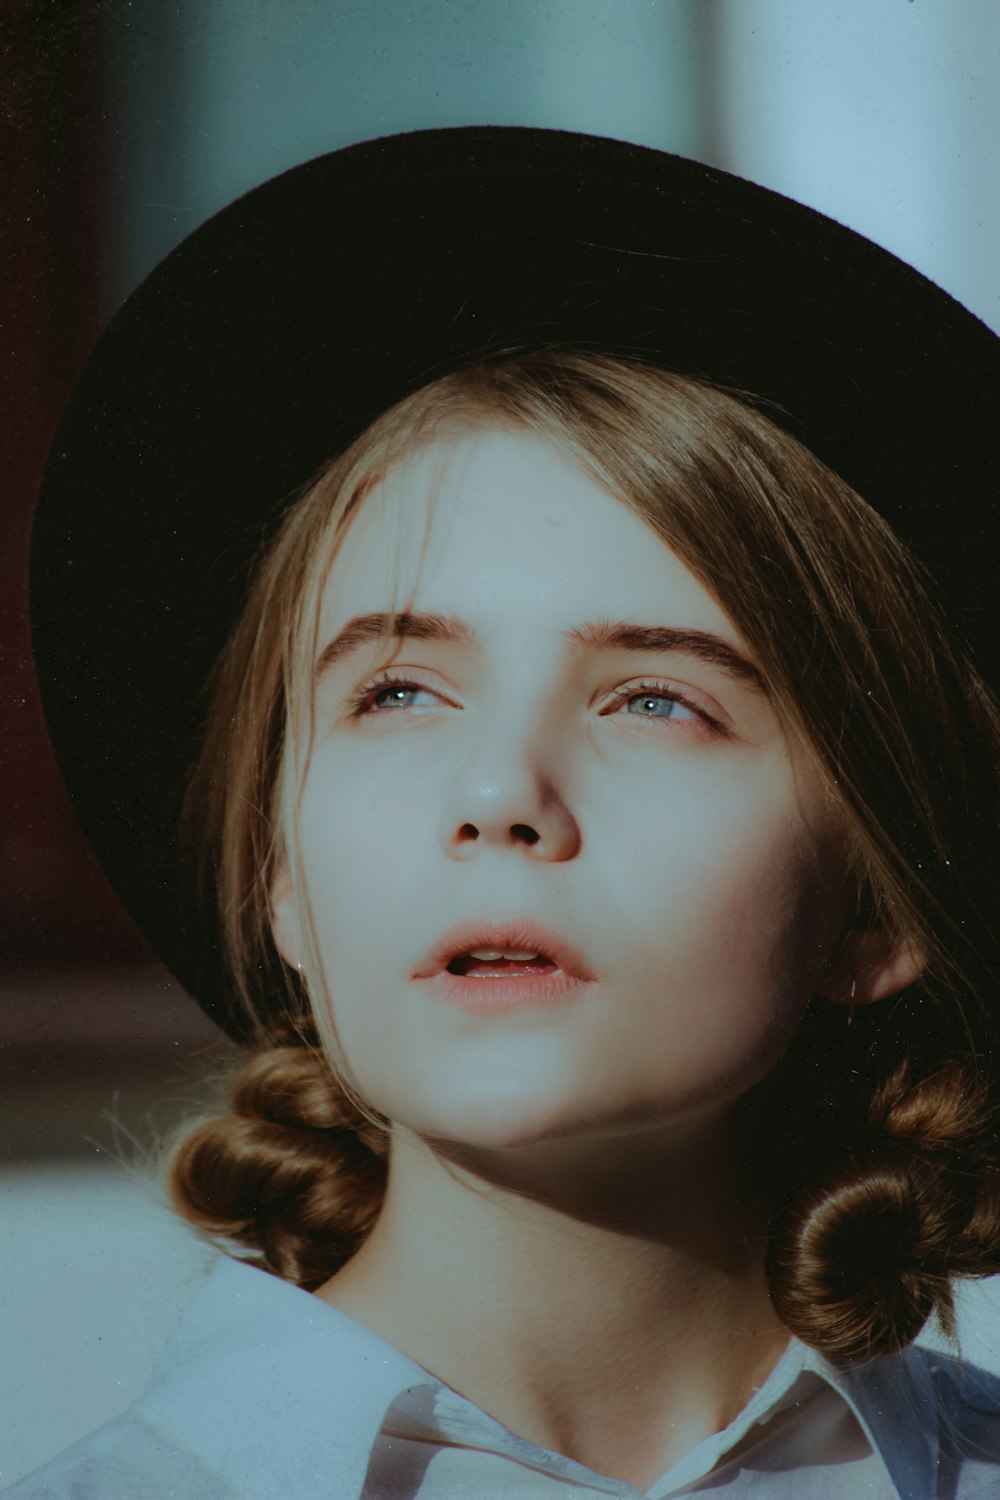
(394, 694)
(675, 708)
(364, 701)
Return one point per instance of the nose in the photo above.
(511, 792)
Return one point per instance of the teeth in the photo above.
(491, 953)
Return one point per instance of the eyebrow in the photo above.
(596, 635)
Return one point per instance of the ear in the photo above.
(871, 965)
(284, 917)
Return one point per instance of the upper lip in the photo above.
(502, 932)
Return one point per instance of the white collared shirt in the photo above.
(268, 1393)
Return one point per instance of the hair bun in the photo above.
(294, 1172)
(864, 1267)
(858, 1268)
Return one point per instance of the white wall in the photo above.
(884, 115)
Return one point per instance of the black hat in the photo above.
(280, 328)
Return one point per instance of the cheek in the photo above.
(361, 856)
(358, 830)
(730, 924)
(712, 989)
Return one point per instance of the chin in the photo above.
(498, 1119)
(513, 1121)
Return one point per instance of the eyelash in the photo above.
(358, 701)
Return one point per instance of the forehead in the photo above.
(504, 525)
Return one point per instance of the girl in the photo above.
(595, 817)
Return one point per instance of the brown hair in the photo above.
(882, 1143)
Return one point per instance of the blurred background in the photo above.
(123, 125)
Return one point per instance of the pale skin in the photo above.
(568, 1236)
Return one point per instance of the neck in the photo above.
(606, 1302)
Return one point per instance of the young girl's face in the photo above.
(641, 802)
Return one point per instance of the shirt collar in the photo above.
(895, 1403)
(248, 1381)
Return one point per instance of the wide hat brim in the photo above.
(281, 327)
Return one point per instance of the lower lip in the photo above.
(489, 994)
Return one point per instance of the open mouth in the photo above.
(505, 968)
(506, 977)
